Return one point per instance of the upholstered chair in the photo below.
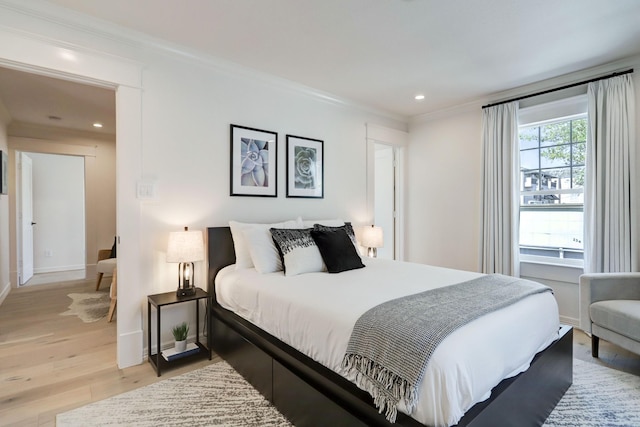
(610, 309)
(106, 264)
(113, 293)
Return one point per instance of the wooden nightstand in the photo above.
(168, 298)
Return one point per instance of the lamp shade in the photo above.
(185, 246)
(372, 237)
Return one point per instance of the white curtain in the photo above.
(610, 205)
(500, 190)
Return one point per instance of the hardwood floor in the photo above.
(51, 363)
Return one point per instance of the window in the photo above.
(552, 174)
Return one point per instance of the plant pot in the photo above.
(181, 346)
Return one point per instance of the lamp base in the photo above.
(185, 292)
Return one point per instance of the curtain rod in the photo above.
(618, 73)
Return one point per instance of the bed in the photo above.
(312, 393)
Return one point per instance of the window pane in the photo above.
(539, 199)
(571, 199)
(579, 131)
(559, 155)
(559, 178)
(552, 233)
(529, 160)
(529, 180)
(553, 200)
(578, 177)
(554, 134)
(579, 151)
(528, 137)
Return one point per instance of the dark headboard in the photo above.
(221, 253)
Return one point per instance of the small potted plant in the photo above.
(180, 333)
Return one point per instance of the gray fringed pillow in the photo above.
(298, 250)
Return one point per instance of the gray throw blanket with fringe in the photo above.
(392, 343)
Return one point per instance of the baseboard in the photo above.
(130, 349)
(5, 291)
(58, 269)
(571, 321)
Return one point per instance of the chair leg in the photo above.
(99, 280)
(112, 309)
(594, 345)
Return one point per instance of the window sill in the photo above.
(551, 271)
(551, 263)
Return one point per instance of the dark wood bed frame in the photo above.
(309, 394)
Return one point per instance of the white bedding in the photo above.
(315, 313)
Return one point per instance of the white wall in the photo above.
(186, 153)
(58, 211)
(5, 284)
(173, 130)
(443, 191)
(443, 209)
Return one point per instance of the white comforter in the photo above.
(315, 313)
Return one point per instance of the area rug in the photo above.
(217, 396)
(89, 307)
(598, 397)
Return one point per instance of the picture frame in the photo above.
(4, 173)
(254, 162)
(305, 167)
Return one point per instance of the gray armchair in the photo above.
(610, 309)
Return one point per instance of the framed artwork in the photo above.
(305, 167)
(253, 162)
(4, 173)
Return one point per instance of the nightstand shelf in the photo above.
(169, 298)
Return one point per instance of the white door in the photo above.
(384, 199)
(26, 217)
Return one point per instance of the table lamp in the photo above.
(185, 247)
(372, 240)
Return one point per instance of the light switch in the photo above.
(146, 190)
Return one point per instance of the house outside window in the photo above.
(552, 175)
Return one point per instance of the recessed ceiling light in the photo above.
(419, 97)
(68, 55)
(97, 125)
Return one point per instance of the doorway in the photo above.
(96, 67)
(51, 193)
(385, 186)
(384, 205)
(67, 130)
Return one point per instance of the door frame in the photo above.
(21, 191)
(40, 54)
(19, 148)
(376, 134)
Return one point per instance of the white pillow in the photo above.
(299, 251)
(240, 244)
(327, 222)
(264, 254)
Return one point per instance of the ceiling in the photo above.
(381, 53)
(32, 98)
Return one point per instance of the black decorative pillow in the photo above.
(337, 250)
(113, 248)
(346, 227)
(298, 250)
